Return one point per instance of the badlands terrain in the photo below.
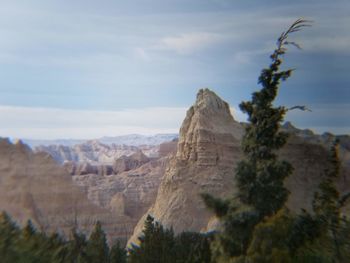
(119, 180)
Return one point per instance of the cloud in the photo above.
(190, 42)
(50, 123)
(141, 53)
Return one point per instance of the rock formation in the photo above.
(93, 152)
(207, 153)
(127, 163)
(33, 186)
(130, 192)
(105, 150)
(167, 148)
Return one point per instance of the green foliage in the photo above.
(333, 242)
(218, 206)
(269, 243)
(97, 250)
(9, 233)
(260, 175)
(192, 247)
(156, 244)
(27, 245)
(118, 254)
(159, 245)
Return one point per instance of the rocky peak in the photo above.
(207, 127)
(207, 152)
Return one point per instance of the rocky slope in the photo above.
(129, 139)
(33, 186)
(207, 153)
(94, 152)
(129, 193)
(121, 164)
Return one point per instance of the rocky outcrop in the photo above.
(94, 152)
(33, 186)
(104, 150)
(168, 148)
(129, 193)
(207, 153)
(86, 168)
(127, 163)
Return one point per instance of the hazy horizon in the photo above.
(84, 70)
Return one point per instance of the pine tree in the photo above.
(260, 175)
(192, 247)
(9, 235)
(117, 254)
(97, 248)
(74, 251)
(156, 244)
(334, 234)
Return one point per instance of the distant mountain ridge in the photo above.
(129, 139)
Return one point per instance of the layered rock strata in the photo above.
(207, 153)
(33, 186)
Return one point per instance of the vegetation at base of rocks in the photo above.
(27, 245)
(157, 245)
(160, 245)
(256, 226)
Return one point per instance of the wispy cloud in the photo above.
(48, 123)
(190, 42)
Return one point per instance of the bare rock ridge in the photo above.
(128, 193)
(127, 163)
(207, 153)
(132, 186)
(121, 164)
(33, 186)
(94, 152)
(129, 140)
(101, 151)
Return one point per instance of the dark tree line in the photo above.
(27, 245)
(160, 245)
(157, 245)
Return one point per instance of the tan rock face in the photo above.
(207, 153)
(129, 193)
(33, 186)
(167, 148)
(127, 163)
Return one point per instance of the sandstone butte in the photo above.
(207, 153)
(33, 186)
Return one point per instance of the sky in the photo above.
(85, 69)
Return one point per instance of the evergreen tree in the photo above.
(9, 235)
(332, 244)
(74, 250)
(156, 244)
(260, 175)
(97, 249)
(192, 247)
(117, 254)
